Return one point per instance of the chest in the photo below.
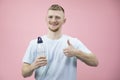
(54, 50)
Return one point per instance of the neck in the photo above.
(54, 35)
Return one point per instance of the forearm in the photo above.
(27, 70)
(89, 59)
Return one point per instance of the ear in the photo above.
(64, 20)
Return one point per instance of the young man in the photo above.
(58, 60)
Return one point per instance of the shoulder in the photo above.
(33, 41)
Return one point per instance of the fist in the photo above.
(69, 51)
(39, 62)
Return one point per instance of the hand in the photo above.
(70, 50)
(39, 62)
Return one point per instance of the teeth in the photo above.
(54, 24)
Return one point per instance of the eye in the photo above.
(57, 17)
(50, 16)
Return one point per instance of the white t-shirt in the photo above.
(59, 67)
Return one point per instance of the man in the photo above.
(61, 52)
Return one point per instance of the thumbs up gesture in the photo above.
(70, 50)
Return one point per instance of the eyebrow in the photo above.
(52, 15)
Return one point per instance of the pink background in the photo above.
(94, 22)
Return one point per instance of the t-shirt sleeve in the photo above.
(30, 54)
(82, 47)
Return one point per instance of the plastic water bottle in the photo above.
(40, 47)
(41, 52)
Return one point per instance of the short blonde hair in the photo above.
(56, 7)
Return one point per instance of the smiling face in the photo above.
(55, 19)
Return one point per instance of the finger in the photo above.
(40, 60)
(43, 62)
(65, 51)
(66, 54)
(40, 65)
(42, 57)
(68, 42)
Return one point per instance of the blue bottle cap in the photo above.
(40, 40)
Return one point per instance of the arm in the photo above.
(88, 58)
(28, 69)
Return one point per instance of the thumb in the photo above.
(68, 42)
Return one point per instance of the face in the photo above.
(55, 19)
